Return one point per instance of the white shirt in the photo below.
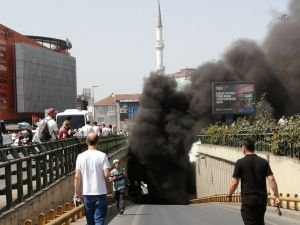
(106, 131)
(86, 129)
(144, 189)
(91, 165)
(96, 129)
(52, 125)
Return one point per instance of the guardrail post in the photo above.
(20, 181)
(67, 207)
(51, 214)
(38, 173)
(8, 186)
(296, 202)
(269, 199)
(288, 205)
(240, 198)
(41, 219)
(50, 170)
(59, 211)
(280, 196)
(28, 222)
(29, 176)
(44, 170)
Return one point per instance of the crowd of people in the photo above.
(29, 135)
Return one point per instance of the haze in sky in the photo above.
(114, 41)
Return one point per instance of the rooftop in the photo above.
(110, 100)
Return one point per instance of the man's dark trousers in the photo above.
(253, 214)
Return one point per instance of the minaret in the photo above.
(160, 68)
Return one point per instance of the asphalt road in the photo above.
(197, 214)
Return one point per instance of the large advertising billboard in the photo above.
(233, 97)
(44, 79)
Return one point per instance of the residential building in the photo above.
(183, 77)
(119, 110)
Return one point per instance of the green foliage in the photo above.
(278, 138)
(216, 133)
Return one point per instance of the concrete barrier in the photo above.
(214, 167)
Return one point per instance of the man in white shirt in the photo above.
(86, 129)
(106, 131)
(52, 127)
(96, 129)
(92, 167)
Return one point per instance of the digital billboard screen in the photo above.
(233, 97)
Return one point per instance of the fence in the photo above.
(263, 142)
(26, 170)
(63, 214)
(287, 202)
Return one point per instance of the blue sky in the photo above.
(113, 41)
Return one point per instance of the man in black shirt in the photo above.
(253, 171)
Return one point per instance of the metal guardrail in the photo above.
(63, 215)
(26, 170)
(263, 142)
(286, 202)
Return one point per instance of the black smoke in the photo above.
(168, 120)
(161, 139)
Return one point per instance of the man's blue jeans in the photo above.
(95, 209)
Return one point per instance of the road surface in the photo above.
(197, 214)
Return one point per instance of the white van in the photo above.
(77, 118)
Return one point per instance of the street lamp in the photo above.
(93, 101)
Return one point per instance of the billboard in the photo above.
(44, 79)
(233, 97)
(128, 109)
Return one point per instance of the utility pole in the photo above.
(93, 102)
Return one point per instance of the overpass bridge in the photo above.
(25, 192)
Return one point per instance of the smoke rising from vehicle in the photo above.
(168, 120)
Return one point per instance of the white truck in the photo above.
(77, 118)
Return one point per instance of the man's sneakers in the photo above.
(121, 211)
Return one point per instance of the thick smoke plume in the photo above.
(168, 120)
(161, 138)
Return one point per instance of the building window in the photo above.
(111, 108)
(101, 119)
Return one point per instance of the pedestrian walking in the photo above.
(145, 192)
(253, 170)
(92, 167)
(118, 176)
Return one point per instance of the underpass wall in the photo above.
(56, 194)
(214, 167)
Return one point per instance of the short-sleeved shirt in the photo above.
(86, 129)
(253, 170)
(63, 131)
(119, 183)
(52, 126)
(92, 164)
